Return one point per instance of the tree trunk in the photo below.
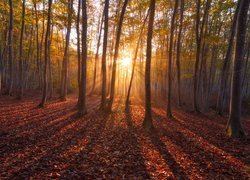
(20, 86)
(225, 69)
(11, 70)
(78, 48)
(82, 98)
(234, 126)
(179, 53)
(147, 123)
(105, 42)
(100, 24)
(119, 29)
(38, 47)
(64, 81)
(169, 112)
(46, 49)
(134, 62)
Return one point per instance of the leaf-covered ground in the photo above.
(54, 143)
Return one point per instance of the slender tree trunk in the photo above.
(169, 111)
(38, 46)
(197, 34)
(119, 29)
(104, 55)
(64, 81)
(11, 68)
(100, 24)
(147, 123)
(179, 53)
(82, 98)
(78, 48)
(46, 49)
(50, 88)
(1, 68)
(20, 86)
(134, 61)
(234, 126)
(225, 69)
(41, 47)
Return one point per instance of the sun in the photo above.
(126, 62)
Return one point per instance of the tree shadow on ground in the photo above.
(138, 158)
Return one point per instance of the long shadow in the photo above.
(76, 162)
(175, 168)
(210, 164)
(54, 155)
(204, 158)
(210, 134)
(40, 133)
(138, 158)
(32, 117)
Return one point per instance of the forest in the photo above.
(123, 89)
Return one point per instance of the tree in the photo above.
(199, 30)
(104, 54)
(179, 52)
(134, 62)
(11, 71)
(234, 126)
(82, 110)
(20, 87)
(147, 123)
(169, 111)
(46, 49)
(37, 44)
(78, 47)
(225, 69)
(117, 43)
(97, 51)
(64, 81)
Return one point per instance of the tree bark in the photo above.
(119, 29)
(46, 49)
(134, 61)
(78, 48)
(147, 123)
(11, 70)
(225, 69)
(64, 81)
(82, 110)
(179, 53)
(234, 126)
(169, 111)
(20, 86)
(100, 24)
(104, 55)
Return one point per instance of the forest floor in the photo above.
(54, 143)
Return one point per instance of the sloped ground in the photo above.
(54, 143)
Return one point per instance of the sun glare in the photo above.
(126, 62)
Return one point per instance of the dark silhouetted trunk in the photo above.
(78, 47)
(119, 29)
(20, 85)
(234, 126)
(104, 55)
(82, 98)
(134, 62)
(178, 58)
(147, 123)
(226, 65)
(11, 71)
(169, 111)
(64, 81)
(46, 49)
(37, 46)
